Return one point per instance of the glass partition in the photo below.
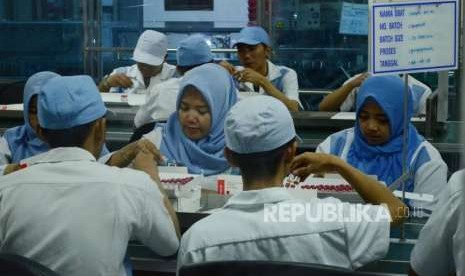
(121, 22)
(307, 37)
(324, 41)
(39, 35)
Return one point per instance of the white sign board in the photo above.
(225, 14)
(354, 19)
(413, 36)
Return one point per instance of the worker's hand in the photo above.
(228, 66)
(118, 80)
(11, 168)
(143, 145)
(126, 155)
(144, 161)
(356, 82)
(250, 75)
(313, 163)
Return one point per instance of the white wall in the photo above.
(226, 14)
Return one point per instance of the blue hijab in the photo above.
(384, 160)
(22, 140)
(205, 155)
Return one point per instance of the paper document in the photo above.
(111, 97)
(414, 196)
(129, 99)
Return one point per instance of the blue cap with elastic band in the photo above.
(258, 124)
(66, 102)
(193, 50)
(253, 36)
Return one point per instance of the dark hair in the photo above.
(260, 165)
(268, 49)
(183, 69)
(68, 137)
(33, 99)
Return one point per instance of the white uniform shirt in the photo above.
(440, 249)
(281, 75)
(239, 232)
(5, 153)
(420, 93)
(160, 102)
(430, 170)
(76, 216)
(168, 71)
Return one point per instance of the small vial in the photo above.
(124, 98)
(220, 186)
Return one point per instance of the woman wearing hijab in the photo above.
(22, 142)
(193, 135)
(375, 144)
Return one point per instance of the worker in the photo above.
(69, 212)
(258, 73)
(150, 68)
(193, 136)
(261, 142)
(375, 144)
(160, 102)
